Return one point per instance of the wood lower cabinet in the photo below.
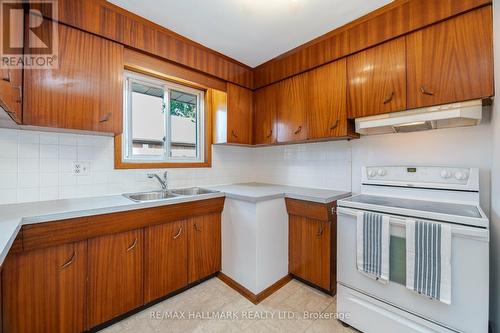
(377, 80)
(312, 243)
(45, 290)
(166, 264)
(115, 275)
(85, 92)
(73, 275)
(204, 246)
(451, 61)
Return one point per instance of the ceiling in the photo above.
(251, 31)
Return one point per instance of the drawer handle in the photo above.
(320, 231)
(389, 99)
(270, 134)
(298, 130)
(425, 91)
(70, 261)
(8, 78)
(196, 227)
(131, 247)
(234, 134)
(105, 118)
(20, 99)
(335, 124)
(178, 234)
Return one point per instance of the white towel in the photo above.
(372, 248)
(428, 259)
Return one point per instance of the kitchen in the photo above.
(261, 154)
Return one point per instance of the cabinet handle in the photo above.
(389, 99)
(270, 134)
(8, 78)
(105, 118)
(70, 261)
(178, 234)
(196, 227)
(425, 91)
(320, 231)
(234, 134)
(20, 99)
(131, 247)
(298, 130)
(335, 124)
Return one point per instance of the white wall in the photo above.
(495, 177)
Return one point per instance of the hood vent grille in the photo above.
(443, 116)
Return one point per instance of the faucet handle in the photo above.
(165, 175)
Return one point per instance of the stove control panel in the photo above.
(414, 176)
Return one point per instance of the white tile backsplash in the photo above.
(39, 166)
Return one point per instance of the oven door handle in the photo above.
(456, 230)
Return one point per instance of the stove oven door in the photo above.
(468, 311)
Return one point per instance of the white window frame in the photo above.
(127, 146)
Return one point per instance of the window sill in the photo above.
(119, 164)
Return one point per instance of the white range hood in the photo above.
(443, 116)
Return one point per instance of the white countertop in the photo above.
(255, 192)
(13, 216)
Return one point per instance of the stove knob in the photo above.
(459, 175)
(381, 172)
(445, 174)
(372, 173)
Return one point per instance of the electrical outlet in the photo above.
(81, 168)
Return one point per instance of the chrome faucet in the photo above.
(163, 182)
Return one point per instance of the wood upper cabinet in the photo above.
(451, 61)
(115, 275)
(204, 246)
(165, 264)
(377, 80)
(292, 108)
(45, 290)
(85, 92)
(239, 114)
(265, 103)
(11, 92)
(327, 112)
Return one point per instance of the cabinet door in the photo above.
(327, 114)
(44, 290)
(265, 115)
(11, 93)
(239, 114)
(292, 104)
(85, 92)
(451, 61)
(165, 259)
(309, 250)
(377, 80)
(204, 251)
(115, 275)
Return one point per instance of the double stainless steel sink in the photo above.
(165, 195)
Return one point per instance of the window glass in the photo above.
(163, 121)
(183, 121)
(148, 125)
